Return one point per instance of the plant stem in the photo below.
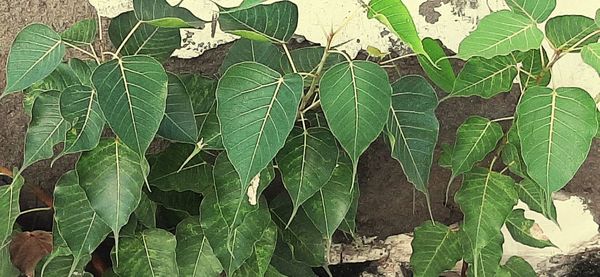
(445, 98)
(398, 58)
(582, 40)
(503, 119)
(314, 105)
(137, 25)
(289, 56)
(82, 51)
(313, 84)
(35, 210)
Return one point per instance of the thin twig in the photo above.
(35, 210)
(82, 51)
(398, 58)
(135, 27)
(287, 53)
(503, 119)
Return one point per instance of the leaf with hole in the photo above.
(149, 253)
(569, 33)
(161, 14)
(81, 33)
(167, 174)
(246, 50)
(395, 15)
(132, 93)
(195, 257)
(442, 73)
(257, 109)
(356, 97)
(526, 231)
(436, 249)
(179, 122)
(475, 138)
(591, 55)
(485, 77)
(537, 10)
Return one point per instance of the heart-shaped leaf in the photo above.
(556, 128)
(485, 262)
(195, 257)
(501, 33)
(245, 50)
(81, 33)
(436, 249)
(537, 10)
(534, 64)
(149, 253)
(60, 263)
(202, 92)
(161, 14)
(526, 231)
(61, 78)
(132, 93)
(356, 97)
(179, 123)
(568, 33)
(412, 128)
(591, 55)
(285, 263)
(537, 199)
(83, 69)
(9, 205)
(485, 77)
(258, 263)
(519, 267)
(166, 172)
(475, 138)
(34, 54)
(395, 15)
(257, 109)
(442, 73)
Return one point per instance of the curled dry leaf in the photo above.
(28, 248)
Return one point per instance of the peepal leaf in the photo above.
(83, 69)
(537, 10)
(395, 15)
(257, 109)
(525, 230)
(179, 123)
(79, 107)
(259, 261)
(567, 32)
(307, 59)
(34, 54)
(132, 93)
(246, 50)
(475, 138)
(274, 22)
(485, 77)
(149, 253)
(519, 267)
(556, 128)
(307, 162)
(436, 249)
(348, 224)
(537, 199)
(61, 262)
(534, 64)
(161, 14)
(9, 207)
(487, 261)
(166, 172)
(412, 128)
(501, 33)
(285, 263)
(202, 92)
(442, 73)
(591, 55)
(356, 97)
(195, 257)
(81, 33)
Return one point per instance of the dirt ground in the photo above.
(386, 202)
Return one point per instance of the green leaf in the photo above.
(537, 199)
(257, 109)
(187, 202)
(258, 263)
(519, 267)
(307, 162)
(195, 257)
(436, 249)
(526, 231)
(149, 253)
(598, 17)
(146, 211)
(395, 15)
(501, 33)
(348, 224)
(307, 59)
(245, 50)
(486, 198)
(442, 73)
(475, 138)
(567, 32)
(80, 227)
(487, 261)
(156, 42)
(79, 107)
(60, 263)
(161, 14)
(6, 266)
(485, 77)
(537, 10)
(412, 128)
(534, 63)
(83, 69)
(46, 129)
(230, 223)
(511, 157)
(61, 78)
(166, 175)
(132, 93)
(445, 159)
(591, 55)
(274, 22)
(285, 263)
(356, 97)
(328, 207)
(34, 54)
(556, 128)
(81, 33)
(9, 205)
(202, 92)
(179, 123)
(112, 177)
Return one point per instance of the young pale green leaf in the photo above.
(475, 138)
(60, 263)
(132, 93)
(501, 33)
(285, 263)
(307, 162)
(485, 77)
(258, 263)
(519, 267)
(534, 67)
(83, 69)
(556, 128)
(79, 107)
(9, 205)
(230, 223)
(274, 22)
(307, 59)
(395, 15)
(34, 54)
(161, 14)
(412, 128)
(112, 176)
(179, 122)
(537, 10)
(591, 55)
(146, 211)
(202, 92)
(348, 224)
(442, 73)
(328, 207)
(81, 33)
(257, 109)
(356, 97)
(149, 253)
(526, 231)
(195, 257)
(156, 42)
(486, 198)
(485, 262)
(537, 199)
(166, 172)
(76, 221)
(568, 33)
(46, 129)
(187, 202)
(436, 249)
(246, 50)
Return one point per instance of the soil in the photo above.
(387, 205)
